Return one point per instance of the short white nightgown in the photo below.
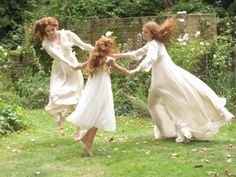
(96, 107)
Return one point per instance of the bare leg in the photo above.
(88, 139)
(60, 120)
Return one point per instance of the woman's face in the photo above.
(147, 35)
(51, 31)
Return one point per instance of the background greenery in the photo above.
(25, 69)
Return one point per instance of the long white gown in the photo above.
(66, 84)
(96, 106)
(181, 105)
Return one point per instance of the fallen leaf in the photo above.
(194, 150)
(112, 140)
(16, 151)
(205, 160)
(37, 173)
(211, 173)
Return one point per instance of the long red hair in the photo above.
(162, 32)
(103, 47)
(41, 24)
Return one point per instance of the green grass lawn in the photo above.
(129, 152)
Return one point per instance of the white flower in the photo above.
(185, 37)
(1, 47)
(180, 39)
(197, 33)
(181, 20)
(184, 43)
(228, 24)
(19, 47)
(5, 54)
(201, 43)
(214, 56)
(108, 33)
(181, 12)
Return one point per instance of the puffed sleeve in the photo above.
(151, 57)
(55, 54)
(77, 41)
(136, 54)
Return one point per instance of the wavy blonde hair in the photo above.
(41, 24)
(103, 47)
(162, 32)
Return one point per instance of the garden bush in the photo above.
(11, 118)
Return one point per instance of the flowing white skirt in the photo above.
(66, 86)
(95, 107)
(184, 106)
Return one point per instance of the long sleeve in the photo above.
(55, 54)
(78, 42)
(136, 54)
(151, 57)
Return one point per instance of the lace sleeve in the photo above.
(151, 57)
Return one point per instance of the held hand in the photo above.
(77, 67)
(132, 73)
(111, 62)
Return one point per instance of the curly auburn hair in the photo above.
(103, 47)
(162, 32)
(41, 24)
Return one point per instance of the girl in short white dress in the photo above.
(95, 109)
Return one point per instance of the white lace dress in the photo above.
(66, 84)
(181, 105)
(96, 106)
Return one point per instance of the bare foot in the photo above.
(88, 151)
(59, 124)
(78, 135)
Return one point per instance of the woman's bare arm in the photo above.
(119, 68)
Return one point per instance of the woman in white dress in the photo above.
(180, 104)
(66, 83)
(95, 109)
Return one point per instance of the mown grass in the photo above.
(129, 152)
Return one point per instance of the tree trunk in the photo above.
(166, 4)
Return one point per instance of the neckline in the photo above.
(57, 41)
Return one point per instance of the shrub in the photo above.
(11, 119)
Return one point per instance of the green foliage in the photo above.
(79, 10)
(33, 90)
(130, 93)
(186, 53)
(21, 62)
(3, 56)
(217, 67)
(192, 6)
(10, 118)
